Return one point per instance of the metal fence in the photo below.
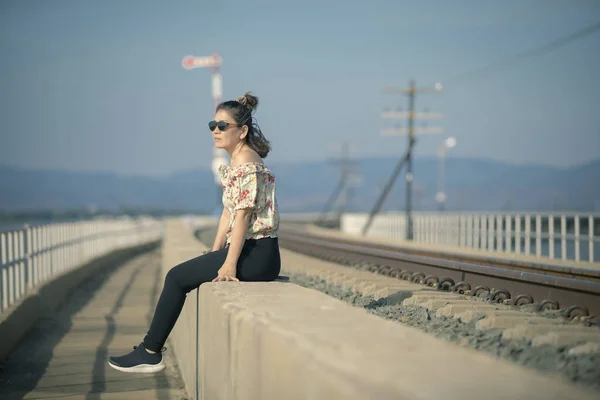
(565, 236)
(200, 221)
(35, 254)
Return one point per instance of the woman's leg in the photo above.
(258, 261)
(180, 280)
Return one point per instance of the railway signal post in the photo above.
(214, 63)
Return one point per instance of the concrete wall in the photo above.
(274, 340)
(180, 244)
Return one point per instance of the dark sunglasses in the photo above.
(222, 125)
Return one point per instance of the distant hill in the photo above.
(471, 184)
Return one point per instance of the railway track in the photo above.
(574, 292)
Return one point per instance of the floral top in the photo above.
(251, 185)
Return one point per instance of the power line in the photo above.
(537, 51)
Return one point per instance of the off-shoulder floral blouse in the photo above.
(251, 185)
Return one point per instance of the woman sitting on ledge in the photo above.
(246, 247)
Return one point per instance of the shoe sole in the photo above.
(142, 368)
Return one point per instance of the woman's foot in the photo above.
(139, 360)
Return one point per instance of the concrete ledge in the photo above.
(277, 340)
(282, 341)
(16, 322)
(179, 245)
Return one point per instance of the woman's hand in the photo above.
(229, 268)
(226, 273)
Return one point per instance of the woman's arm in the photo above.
(238, 236)
(221, 237)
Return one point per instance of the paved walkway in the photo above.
(64, 357)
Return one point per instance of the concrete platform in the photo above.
(282, 341)
(64, 357)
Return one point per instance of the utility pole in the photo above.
(410, 132)
(347, 181)
(348, 171)
(351, 184)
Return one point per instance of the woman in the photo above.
(246, 246)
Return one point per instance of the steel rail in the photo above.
(479, 259)
(574, 291)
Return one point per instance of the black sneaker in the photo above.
(139, 360)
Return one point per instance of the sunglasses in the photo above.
(222, 125)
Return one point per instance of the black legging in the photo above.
(259, 261)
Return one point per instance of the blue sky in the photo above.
(98, 85)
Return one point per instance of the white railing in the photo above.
(565, 236)
(200, 221)
(35, 254)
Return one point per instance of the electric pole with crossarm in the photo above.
(411, 92)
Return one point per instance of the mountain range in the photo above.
(470, 183)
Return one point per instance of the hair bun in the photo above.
(248, 100)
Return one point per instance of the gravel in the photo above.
(583, 370)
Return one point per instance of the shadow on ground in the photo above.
(29, 361)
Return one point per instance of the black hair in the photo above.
(241, 111)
